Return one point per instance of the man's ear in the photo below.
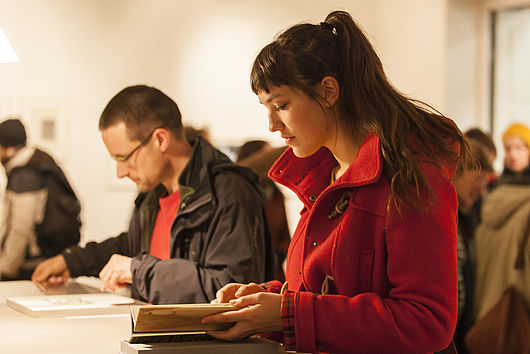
(330, 90)
(162, 138)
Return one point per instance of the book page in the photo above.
(177, 318)
(74, 304)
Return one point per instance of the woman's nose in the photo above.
(274, 122)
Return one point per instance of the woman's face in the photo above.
(301, 121)
(517, 156)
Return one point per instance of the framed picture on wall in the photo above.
(46, 125)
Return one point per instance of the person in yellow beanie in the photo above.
(516, 140)
(500, 238)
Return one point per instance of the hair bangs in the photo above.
(272, 67)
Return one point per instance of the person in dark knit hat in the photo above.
(32, 225)
(12, 133)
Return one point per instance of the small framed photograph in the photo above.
(46, 125)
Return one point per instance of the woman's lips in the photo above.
(288, 139)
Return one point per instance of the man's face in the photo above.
(5, 154)
(470, 186)
(135, 159)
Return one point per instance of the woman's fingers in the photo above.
(246, 300)
(235, 290)
(248, 289)
(258, 313)
(233, 333)
(227, 292)
(227, 316)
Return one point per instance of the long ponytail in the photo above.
(304, 54)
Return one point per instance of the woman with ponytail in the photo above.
(371, 267)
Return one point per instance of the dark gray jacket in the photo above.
(40, 213)
(220, 235)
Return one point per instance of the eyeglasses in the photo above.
(142, 143)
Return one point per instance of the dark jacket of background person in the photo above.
(511, 177)
(470, 182)
(31, 226)
(220, 235)
(505, 215)
(260, 156)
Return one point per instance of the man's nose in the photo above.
(121, 169)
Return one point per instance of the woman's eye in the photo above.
(279, 108)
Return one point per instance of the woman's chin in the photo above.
(301, 153)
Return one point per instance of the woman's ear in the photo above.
(330, 90)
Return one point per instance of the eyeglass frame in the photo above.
(142, 143)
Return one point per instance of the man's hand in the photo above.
(116, 273)
(51, 273)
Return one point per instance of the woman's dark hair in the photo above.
(304, 54)
(142, 109)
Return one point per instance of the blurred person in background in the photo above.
(476, 134)
(516, 141)
(255, 153)
(470, 183)
(40, 211)
(193, 133)
(505, 222)
(472, 215)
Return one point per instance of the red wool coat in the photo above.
(394, 287)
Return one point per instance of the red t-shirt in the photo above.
(164, 219)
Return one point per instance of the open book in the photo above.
(71, 304)
(174, 323)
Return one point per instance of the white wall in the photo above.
(78, 54)
(462, 45)
(469, 61)
(512, 74)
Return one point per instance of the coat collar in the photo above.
(309, 176)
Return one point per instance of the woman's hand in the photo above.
(234, 291)
(258, 313)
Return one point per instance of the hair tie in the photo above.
(330, 27)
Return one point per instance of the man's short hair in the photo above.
(483, 138)
(142, 108)
(12, 133)
(480, 153)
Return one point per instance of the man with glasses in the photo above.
(199, 221)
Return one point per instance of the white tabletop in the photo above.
(99, 334)
(20, 333)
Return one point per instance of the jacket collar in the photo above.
(309, 176)
(195, 188)
(195, 180)
(195, 176)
